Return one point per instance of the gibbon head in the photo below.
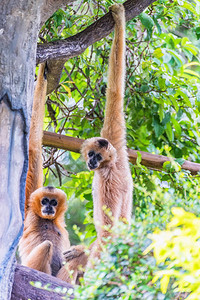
(98, 153)
(48, 202)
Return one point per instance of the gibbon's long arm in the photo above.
(34, 178)
(114, 123)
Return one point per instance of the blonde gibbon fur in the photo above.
(107, 155)
(45, 238)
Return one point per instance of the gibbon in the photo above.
(107, 155)
(45, 238)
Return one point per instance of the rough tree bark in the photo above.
(51, 287)
(19, 26)
(20, 21)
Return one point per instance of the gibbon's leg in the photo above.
(126, 208)
(34, 178)
(68, 274)
(40, 257)
(114, 123)
(76, 260)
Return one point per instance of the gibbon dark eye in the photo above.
(98, 157)
(45, 201)
(103, 143)
(91, 153)
(53, 202)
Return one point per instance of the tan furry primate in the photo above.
(107, 155)
(45, 238)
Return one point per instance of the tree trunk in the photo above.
(19, 26)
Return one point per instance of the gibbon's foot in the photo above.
(73, 252)
(47, 245)
(117, 12)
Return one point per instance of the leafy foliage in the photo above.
(162, 104)
(177, 250)
(123, 272)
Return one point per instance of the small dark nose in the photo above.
(49, 209)
(93, 160)
(92, 163)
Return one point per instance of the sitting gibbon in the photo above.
(45, 238)
(107, 155)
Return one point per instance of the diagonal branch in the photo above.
(151, 161)
(58, 52)
(77, 44)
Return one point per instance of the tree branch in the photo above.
(151, 161)
(23, 289)
(58, 52)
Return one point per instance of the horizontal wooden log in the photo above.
(23, 289)
(151, 161)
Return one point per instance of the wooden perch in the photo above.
(23, 289)
(151, 161)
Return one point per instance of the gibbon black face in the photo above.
(48, 206)
(94, 160)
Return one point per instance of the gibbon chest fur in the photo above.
(49, 231)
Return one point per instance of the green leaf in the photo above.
(180, 161)
(157, 25)
(146, 20)
(166, 119)
(193, 73)
(183, 94)
(189, 6)
(139, 158)
(184, 41)
(75, 156)
(144, 88)
(197, 31)
(177, 127)
(158, 53)
(178, 58)
(158, 128)
(169, 132)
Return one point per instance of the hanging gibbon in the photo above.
(45, 238)
(107, 155)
